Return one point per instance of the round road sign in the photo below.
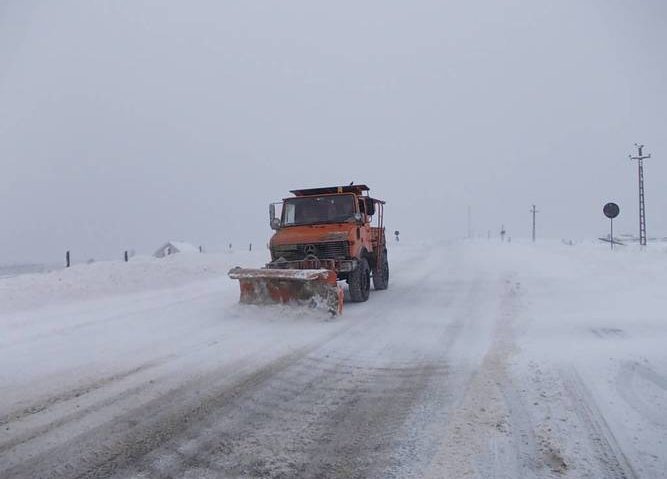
(611, 210)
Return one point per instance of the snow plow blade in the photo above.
(312, 287)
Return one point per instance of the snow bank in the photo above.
(109, 278)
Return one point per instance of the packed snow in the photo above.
(483, 359)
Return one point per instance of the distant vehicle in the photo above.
(323, 235)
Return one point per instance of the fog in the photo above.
(127, 123)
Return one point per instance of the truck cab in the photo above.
(337, 228)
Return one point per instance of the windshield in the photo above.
(318, 209)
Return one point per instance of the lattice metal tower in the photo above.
(642, 208)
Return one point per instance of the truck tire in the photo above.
(381, 274)
(359, 281)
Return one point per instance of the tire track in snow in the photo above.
(103, 450)
(417, 441)
(114, 445)
(67, 396)
(609, 454)
(82, 393)
(488, 433)
(651, 408)
(364, 382)
(70, 394)
(342, 405)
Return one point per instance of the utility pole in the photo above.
(469, 223)
(534, 211)
(642, 210)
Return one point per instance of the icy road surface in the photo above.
(481, 360)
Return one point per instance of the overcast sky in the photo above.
(127, 123)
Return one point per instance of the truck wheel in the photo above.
(381, 274)
(360, 282)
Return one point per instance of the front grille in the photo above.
(328, 250)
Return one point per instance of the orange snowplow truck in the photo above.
(322, 236)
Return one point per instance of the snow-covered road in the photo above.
(481, 360)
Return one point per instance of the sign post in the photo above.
(611, 211)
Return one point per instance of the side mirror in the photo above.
(367, 205)
(370, 207)
(273, 221)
